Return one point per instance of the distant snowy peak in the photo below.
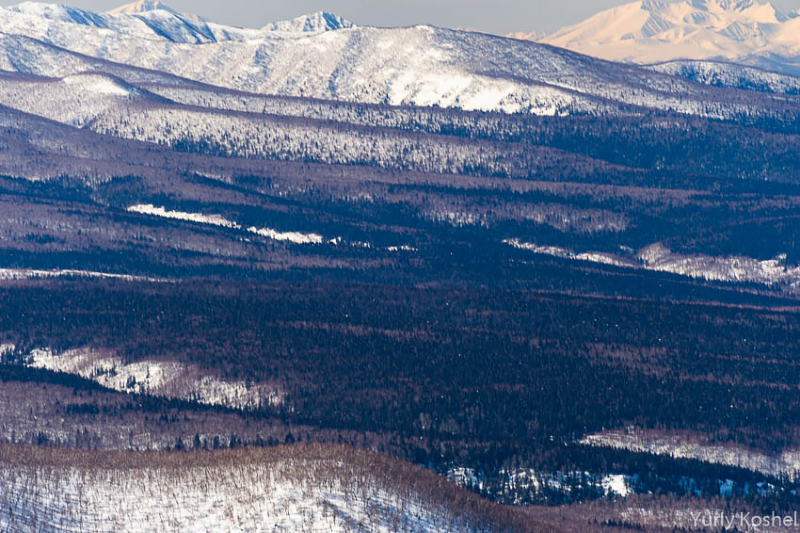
(315, 23)
(53, 12)
(141, 6)
(145, 20)
(534, 36)
(753, 32)
(148, 20)
(670, 21)
(752, 10)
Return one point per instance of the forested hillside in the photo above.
(583, 292)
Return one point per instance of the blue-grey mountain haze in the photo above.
(496, 16)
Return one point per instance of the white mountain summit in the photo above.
(140, 6)
(318, 22)
(314, 23)
(753, 32)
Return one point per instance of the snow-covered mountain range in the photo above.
(324, 56)
(752, 32)
(320, 55)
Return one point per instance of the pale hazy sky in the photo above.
(497, 16)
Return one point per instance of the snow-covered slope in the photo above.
(419, 66)
(73, 100)
(694, 446)
(732, 75)
(307, 488)
(753, 32)
(658, 258)
(422, 65)
(167, 379)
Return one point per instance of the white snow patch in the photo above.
(658, 258)
(169, 379)
(733, 268)
(291, 236)
(616, 484)
(98, 84)
(214, 220)
(555, 251)
(14, 274)
(682, 447)
(218, 220)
